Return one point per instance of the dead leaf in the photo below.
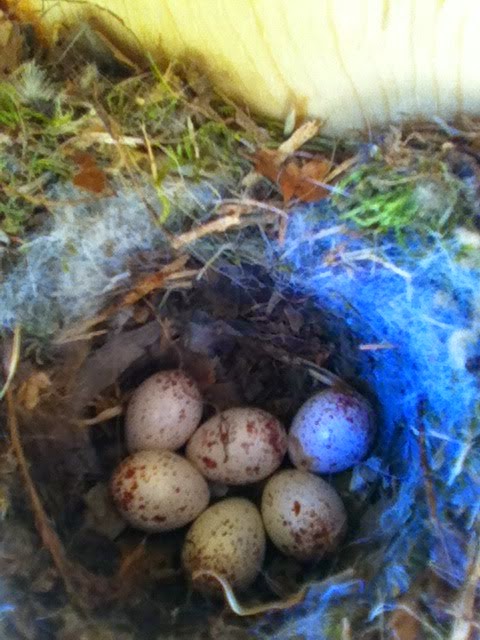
(32, 389)
(288, 181)
(311, 173)
(105, 365)
(294, 179)
(301, 181)
(267, 163)
(89, 176)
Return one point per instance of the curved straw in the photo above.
(236, 607)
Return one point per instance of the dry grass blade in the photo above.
(13, 363)
(303, 134)
(47, 535)
(240, 610)
(103, 416)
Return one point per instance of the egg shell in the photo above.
(163, 412)
(331, 432)
(227, 538)
(303, 515)
(158, 491)
(238, 446)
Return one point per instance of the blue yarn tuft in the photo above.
(420, 302)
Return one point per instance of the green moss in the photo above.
(424, 196)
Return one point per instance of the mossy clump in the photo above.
(421, 192)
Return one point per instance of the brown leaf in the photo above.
(295, 180)
(289, 180)
(89, 176)
(313, 171)
(267, 163)
(299, 181)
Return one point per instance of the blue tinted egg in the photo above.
(331, 432)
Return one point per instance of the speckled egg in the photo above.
(163, 412)
(332, 431)
(158, 491)
(303, 515)
(227, 538)
(238, 446)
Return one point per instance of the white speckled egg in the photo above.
(227, 538)
(238, 446)
(332, 431)
(158, 491)
(163, 412)
(303, 515)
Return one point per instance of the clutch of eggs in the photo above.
(158, 490)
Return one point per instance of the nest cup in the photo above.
(398, 318)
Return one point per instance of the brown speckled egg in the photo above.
(303, 515)
(227, 538)
(163, 412)
(331, 432)
(238, 446)
(158, 491)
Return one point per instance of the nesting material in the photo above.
(264, 300)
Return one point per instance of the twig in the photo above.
(248, 203)
(220, 225)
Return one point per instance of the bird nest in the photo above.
(148, 223)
